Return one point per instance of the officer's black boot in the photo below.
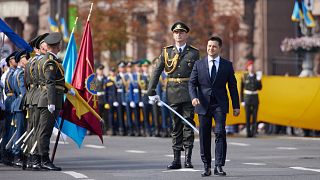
(36, 162)
(47, 164)
(17, 160)
(188, 154)
(176, 163)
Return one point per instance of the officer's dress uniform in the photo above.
(129, 109)
(51, 77)
(100, 82)
(147, 106)
(249, 94)
(9, 129)
(122, 103)
(135, 97)
(110, 98)
(178, 66)
(18, 110)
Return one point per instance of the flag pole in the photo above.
(90, 12)
(62, 120)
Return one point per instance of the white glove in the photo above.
(141, 104)
(51, 108)
(115, 104)
(259, 75)
(132, 104)
(72, 92)
(243, 104)
(154, 98)
(124, 104)
(151, 102)
(159, 104)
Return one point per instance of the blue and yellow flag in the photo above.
(64, 30)
(300, 12)
(75, 132)
(53, 25)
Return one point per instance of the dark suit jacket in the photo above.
(201, 87)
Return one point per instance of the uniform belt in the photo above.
(9, 94)
(57, 87)
(135, 90)
(119, 90)
(178, 80)
(144, 91)
(248, 92)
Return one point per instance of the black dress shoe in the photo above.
(206, 172)
(50, 166)
(219, 171)
(174, 166)
(188, 165)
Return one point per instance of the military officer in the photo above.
(147, 104)
(51, 81)
(130, 104)
(32, 97)
(177, 61)
(121, 103)
(110, 99)
(250, 85)
(19, 90)
(9, 130)
(135, 96)
(100, 82)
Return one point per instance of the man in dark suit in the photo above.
(207, 88)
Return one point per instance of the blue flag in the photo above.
(53, 25)
(300, 11)
(75, 132)
(14, 38)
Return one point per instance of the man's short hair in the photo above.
(216, 38)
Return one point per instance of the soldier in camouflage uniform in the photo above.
(177, 61)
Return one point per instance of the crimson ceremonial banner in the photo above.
(83, 82)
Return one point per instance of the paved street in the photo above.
(269, 157)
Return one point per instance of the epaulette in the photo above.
(168, 46)
(194, 47)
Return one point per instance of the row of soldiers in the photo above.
(124, 104)
(33, 89)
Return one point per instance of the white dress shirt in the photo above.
(182, 47)
(216, 63)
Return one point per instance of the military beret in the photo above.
(21, 54)
(40, 40)
(145, 62)
(180, 26)
(53, 38)
(11, 56)
(249, 62)
(121, 64)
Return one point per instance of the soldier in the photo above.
(177, 61)
(110, 99)
(32, 98)
(52, 85)
(19, 90)
(100, 82)
(130, 105)
(135, 96)
(147, 104)
(121, 103)
(250, 84)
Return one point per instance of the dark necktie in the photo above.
(180, 51)
(213, 71)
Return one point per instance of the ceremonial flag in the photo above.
(64, 30)
(83, 82)
(75, 132)
(300, 11)
(53, 25)
(14, 38)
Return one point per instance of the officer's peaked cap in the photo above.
(11, 56)
(53, 38)
(180, 26)
(121, 64)
(40, 40)
(22, 54)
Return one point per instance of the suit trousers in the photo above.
(46, 124)
(182, 134)
(205, 136)
(251, 125)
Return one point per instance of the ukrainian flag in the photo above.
(64, 30)
(53, 25)
(300, 12)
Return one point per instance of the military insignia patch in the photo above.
(90, 84)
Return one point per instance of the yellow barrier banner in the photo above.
(288, 101)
